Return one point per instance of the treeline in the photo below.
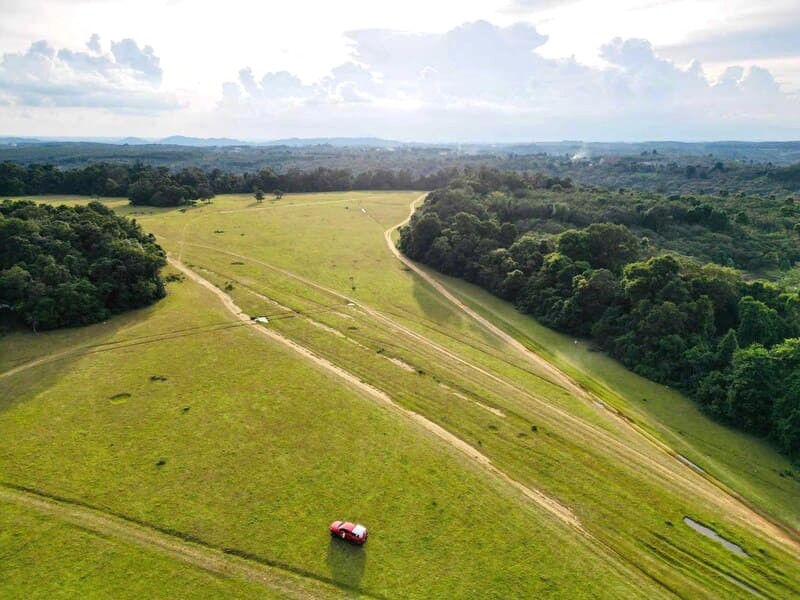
(754, 168)
(738, 230)
(730, 343)
(158, 186)
(65, 266)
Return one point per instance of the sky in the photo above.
(446, 71)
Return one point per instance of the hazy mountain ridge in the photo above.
(763, 151)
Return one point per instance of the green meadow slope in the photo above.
(486, 472)
(45, 557)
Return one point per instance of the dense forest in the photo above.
(663, 167)
(65, 266)
(648, 277)
(158, 186)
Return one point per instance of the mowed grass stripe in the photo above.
(278, 253)
(344, 251)
(256, 466)
(281, 579)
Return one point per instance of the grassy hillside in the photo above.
(43, 557)
(246, 445)
(747, 463)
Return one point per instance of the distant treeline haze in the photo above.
(353, 169)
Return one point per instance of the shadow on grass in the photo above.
(67, 351)
(346, 563)
(434, 306)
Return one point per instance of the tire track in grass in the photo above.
(765, 522)
(230, 563)
(552, 506)
(118, 344)
(687, 478)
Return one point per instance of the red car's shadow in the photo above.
(346, 562)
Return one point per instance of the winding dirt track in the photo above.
(39, 361)
(557, 376)
(115, 345)
(705, 485)
(733, 500)
(549, 504)
(306, 585)
(210, 559)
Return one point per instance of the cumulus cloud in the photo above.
(494, 75)
(94, 44)
(127, 78)
(143, 63)
(768, 29)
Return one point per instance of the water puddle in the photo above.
(710, 533)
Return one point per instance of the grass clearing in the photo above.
(266, 438)
(746, 463)
(269, 451)
(44, 557)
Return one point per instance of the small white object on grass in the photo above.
(261, 320)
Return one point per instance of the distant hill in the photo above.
(340, 142)
(295, 142)
(135, 141)
(13, 141)
(182, 140)
(761, 152)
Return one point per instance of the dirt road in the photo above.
(555, 374)
(552, 506)
(729, 497)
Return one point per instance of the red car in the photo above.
(355, 534)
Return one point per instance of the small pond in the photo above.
(710, 533)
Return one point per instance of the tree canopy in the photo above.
(728, 341)
(64, 266)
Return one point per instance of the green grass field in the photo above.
(268, 452)
(247, 446)
(43, 557)
(748, 464)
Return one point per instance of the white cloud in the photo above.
(744, 31)
(125, 79)
(142, 63)
(405, 69)
(400, 83)
(94, 44)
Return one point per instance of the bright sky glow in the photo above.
(468, 70)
